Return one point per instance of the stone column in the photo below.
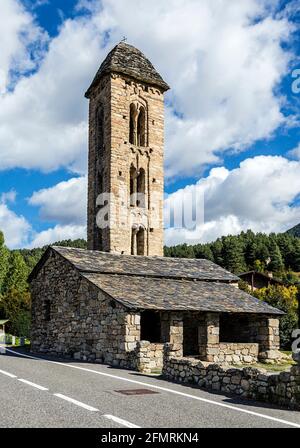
(268, 338)
(176, 333)
(209, 330)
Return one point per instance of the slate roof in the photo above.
(160, 283)
(178, 295)
(126, 59)
(110, 263)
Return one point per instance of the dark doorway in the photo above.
(190, 337)
(150, 326)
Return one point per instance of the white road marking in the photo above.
(120, 421)
(78, 403)
(37, 386)
(8, 374)
(165, 389)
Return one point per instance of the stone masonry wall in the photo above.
(84, 323)
(237, 353)
(281, 388)
(147, 357)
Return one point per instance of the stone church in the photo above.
(119, 301)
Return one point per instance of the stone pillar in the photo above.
(268, 338)
(209, 330)
(176, 333)
(133, 331)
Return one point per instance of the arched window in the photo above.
(133, 186)
(137, 125)
(140, 241)
(132, 125)
(141, 127)
(141, 188)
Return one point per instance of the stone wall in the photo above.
(84, 323)
(281, 388)
(237, 352)
(147, 357)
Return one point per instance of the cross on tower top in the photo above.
(124, 39)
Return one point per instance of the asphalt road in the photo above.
(43, 393)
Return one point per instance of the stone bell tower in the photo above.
(126, 147)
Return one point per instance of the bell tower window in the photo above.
(140, 202)
(138, 240)
(133, 186)
(141, 127)
(137, 125)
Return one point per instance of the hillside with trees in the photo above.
(294, 231)
(277, 253)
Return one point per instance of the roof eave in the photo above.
(162, 85)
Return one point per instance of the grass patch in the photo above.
(282, 367)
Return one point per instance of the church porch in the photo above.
(233, 338)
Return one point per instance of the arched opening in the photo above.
(140, 241)
(141, 127)
(133, 186)
(133, 242)
(132, 124)
(137, 240)
(141, 188)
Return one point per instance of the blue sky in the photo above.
(232, 119)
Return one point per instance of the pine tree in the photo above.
(276, 264)
(233, 255)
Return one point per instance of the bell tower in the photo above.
(126, 148)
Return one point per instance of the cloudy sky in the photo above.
(232, 116)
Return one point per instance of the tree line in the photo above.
(277, 253)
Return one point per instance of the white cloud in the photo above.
(22, 42)
(15, 228)
(295, 152)
(58, 233)
(222, 63)
(64, 203)
(259, 195)
(9, 196)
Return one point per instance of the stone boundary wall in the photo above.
(147, 356)
(281, 388)
(230, 352)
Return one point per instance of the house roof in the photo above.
(111, 263)
(126, 59)
(178, 295)
(261, 274)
